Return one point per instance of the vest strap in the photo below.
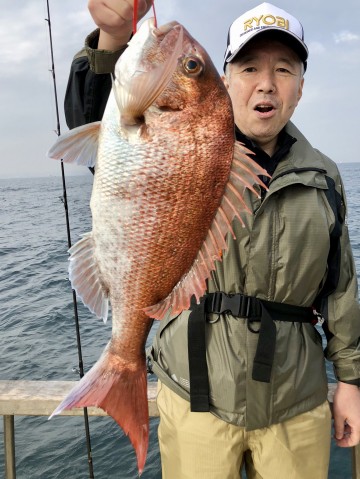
(199, 379)
(238, 305)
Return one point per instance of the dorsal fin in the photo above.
(243, 175)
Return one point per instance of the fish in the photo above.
(169, 181)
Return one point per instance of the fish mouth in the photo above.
(145, 69)
(163, 30)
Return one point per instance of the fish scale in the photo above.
(169, 181)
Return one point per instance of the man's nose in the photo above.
(266, 83)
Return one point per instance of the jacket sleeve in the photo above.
(343, 347)
(89, 83)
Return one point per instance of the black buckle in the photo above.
(236, 304)
(223, 303)
(245, 306)
(215, 303)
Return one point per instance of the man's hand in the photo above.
(347, 415)
(114, 18)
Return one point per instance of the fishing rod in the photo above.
(64, 200)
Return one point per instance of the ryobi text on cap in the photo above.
(265, 16)
(265, 20)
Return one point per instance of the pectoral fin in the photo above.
(78, 146)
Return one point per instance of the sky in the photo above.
(328, 113)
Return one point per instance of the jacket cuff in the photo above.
(354, 382)
(346, 376)
(100, 61)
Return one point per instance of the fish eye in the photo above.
(192, 65)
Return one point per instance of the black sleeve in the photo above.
(86, 94)
(89, 82)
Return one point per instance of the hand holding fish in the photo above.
(115, 20)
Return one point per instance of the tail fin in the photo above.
(119, 388)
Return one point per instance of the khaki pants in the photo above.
(201, 446)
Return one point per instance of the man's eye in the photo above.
(250, 69)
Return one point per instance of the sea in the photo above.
(38, 340)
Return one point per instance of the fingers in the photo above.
(347, 415)
(339, 427)
(115, 20)
(349, 437)
(110, 14)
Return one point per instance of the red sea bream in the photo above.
(169, 180)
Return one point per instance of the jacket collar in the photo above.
(294, 152)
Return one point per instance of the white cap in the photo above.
(263, 18)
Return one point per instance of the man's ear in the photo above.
(226, 83)
(300, 90)
(301, 86)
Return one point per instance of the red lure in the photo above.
(135, 17)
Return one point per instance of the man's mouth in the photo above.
(264, 108)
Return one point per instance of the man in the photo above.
(256, 391)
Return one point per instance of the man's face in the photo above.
(265, 85)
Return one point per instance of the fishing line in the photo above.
(64, 200)
(135, 15)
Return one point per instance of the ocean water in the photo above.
(37, 340)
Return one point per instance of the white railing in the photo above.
(40, 398)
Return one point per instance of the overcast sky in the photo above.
(328, 113)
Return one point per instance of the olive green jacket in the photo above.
(280, 255)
